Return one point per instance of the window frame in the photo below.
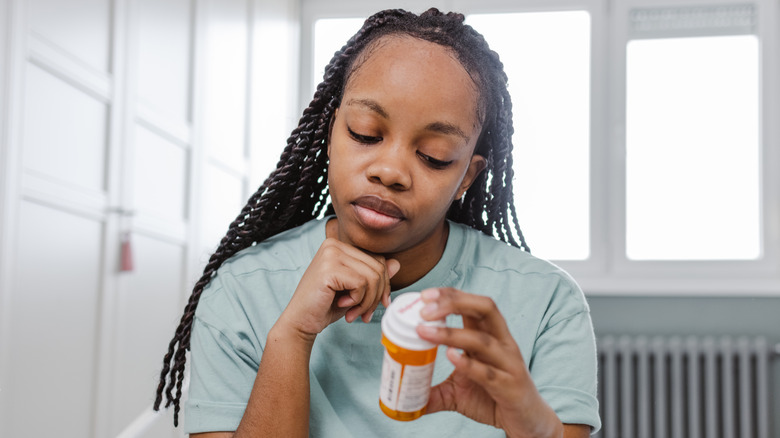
(696, 276)
(608, 271)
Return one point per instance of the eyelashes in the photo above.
(371, 140)
(433, 162)
(364, 139)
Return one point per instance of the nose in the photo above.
(390, 168)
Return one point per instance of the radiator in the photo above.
(684, 387)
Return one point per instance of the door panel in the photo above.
(150, 305)
(159, 176)
(80, 27)
(221, 204)
(54, 328)
(65, 131)
(225, 87)
(164, 56)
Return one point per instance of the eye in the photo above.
(433, 162)
(364, 139)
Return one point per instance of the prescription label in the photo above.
(405, 388)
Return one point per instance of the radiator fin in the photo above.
(683, 387)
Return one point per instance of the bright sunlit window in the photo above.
(330, 34)
(546, 56)
(692, 149)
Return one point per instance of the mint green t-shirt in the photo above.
(544, 309)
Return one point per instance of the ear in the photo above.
(476, 166)
(330, 127)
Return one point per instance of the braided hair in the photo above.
(297, 191)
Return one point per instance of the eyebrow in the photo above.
(440, 127)
(370, 104)
(448, 129)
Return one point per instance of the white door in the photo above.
(59, 241)
(122, 121)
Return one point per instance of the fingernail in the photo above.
(370, 316)
(426, 330)
(429, 308)
(430, 294)
(454, 354)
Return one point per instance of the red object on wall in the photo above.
(126, 257)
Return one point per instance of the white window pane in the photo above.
(546, 56)
(330, 34)
(692, 149)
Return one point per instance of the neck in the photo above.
(418, 261)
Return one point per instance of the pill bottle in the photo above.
(407, 368)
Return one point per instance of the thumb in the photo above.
(393, 266)
(436, 402)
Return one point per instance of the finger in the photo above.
(387, 267)
(477, 310)
(355, 276)
(344, 300)
(374, 285)
(377, 272)
(348, 286)
(478, 344)
(339, 264)
(501, 385)
(376, 262)
(393, 266)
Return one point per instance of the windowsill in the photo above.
(659, 286)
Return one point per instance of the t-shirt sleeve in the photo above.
(223, 369)
(564, 361)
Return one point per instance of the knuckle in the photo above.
(490, 374)
(485, 340)
(467, 362)
(448, 292)
(329, 248)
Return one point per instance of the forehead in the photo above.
(403, 68)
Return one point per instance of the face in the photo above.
(401, 147)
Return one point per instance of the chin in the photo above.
(377, 244)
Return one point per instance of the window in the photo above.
(551, 164)
(692, 149)
(642, 135)
(329, 36)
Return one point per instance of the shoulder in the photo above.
(516, 275)
(490, 253)
(287, 250)
(262, 275)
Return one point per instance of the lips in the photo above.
(376, 213)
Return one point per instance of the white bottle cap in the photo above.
(401, 320)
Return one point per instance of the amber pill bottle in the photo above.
(407, 368)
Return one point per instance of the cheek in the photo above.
(439, 190)
(340, 169)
